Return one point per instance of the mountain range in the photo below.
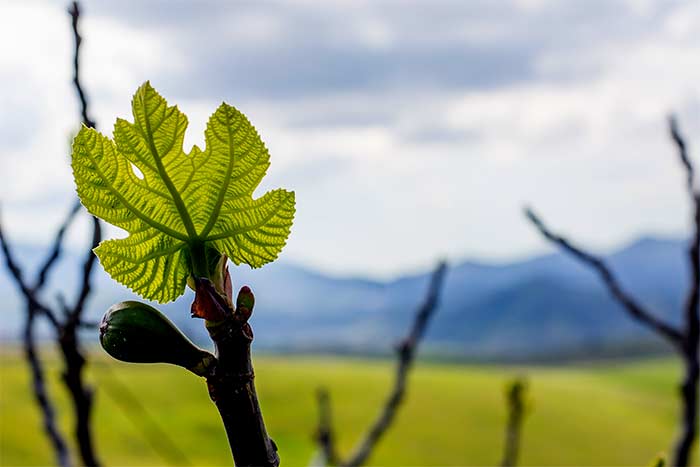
(544, 307)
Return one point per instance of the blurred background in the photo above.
(410, 132)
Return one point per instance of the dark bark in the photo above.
(230, 379)
(686, 339)
(65, 328)
(691, 317)
(81, 394)
(55, 252)
(406, 351)
(74, 362)
(689, 423)
(40, 394)
(324, 436)
(66, 336)
(632, 306)
(515, 399)
(232, 389)
(74, 12)
(33, 308)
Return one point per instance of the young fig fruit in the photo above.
(138, 333)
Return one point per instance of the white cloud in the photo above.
(390, 172)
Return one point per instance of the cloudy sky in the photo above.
(409, 130)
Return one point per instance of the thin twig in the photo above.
(634, 308)
(29, 293)
(88, 265)
(74, 361)
(325, 437)
(55, 252)
(686, 339)
(40, 394)
(66, 331)
(515, 399)
(691, 315)
(406, 352)
(74, 12)
(36, 368)
(679, 141)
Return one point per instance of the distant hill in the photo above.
(544, 307)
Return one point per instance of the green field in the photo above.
(612, 414)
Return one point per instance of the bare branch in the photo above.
(74, 12)
(630, 304)
(80, 392)
(678, 139)
(12, 266)
(90, 260)
(66, 330)
(37, 371)
(33, 303)
(88, 266)
(406, 353)
(40, 394)
(55, 252)
(324, 435)
(515, 398)
(691, 315)
(33, 306)
(686, 339)
(62, 305)
(67, 339)
(693, 298)
(692, 321)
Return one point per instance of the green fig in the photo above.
(138, 333)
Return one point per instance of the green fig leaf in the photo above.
(179, 209)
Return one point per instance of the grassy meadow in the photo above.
(602, 414)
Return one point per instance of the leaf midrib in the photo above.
(179, 204)
(227, 180)
(263, 221)
(155, 224)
